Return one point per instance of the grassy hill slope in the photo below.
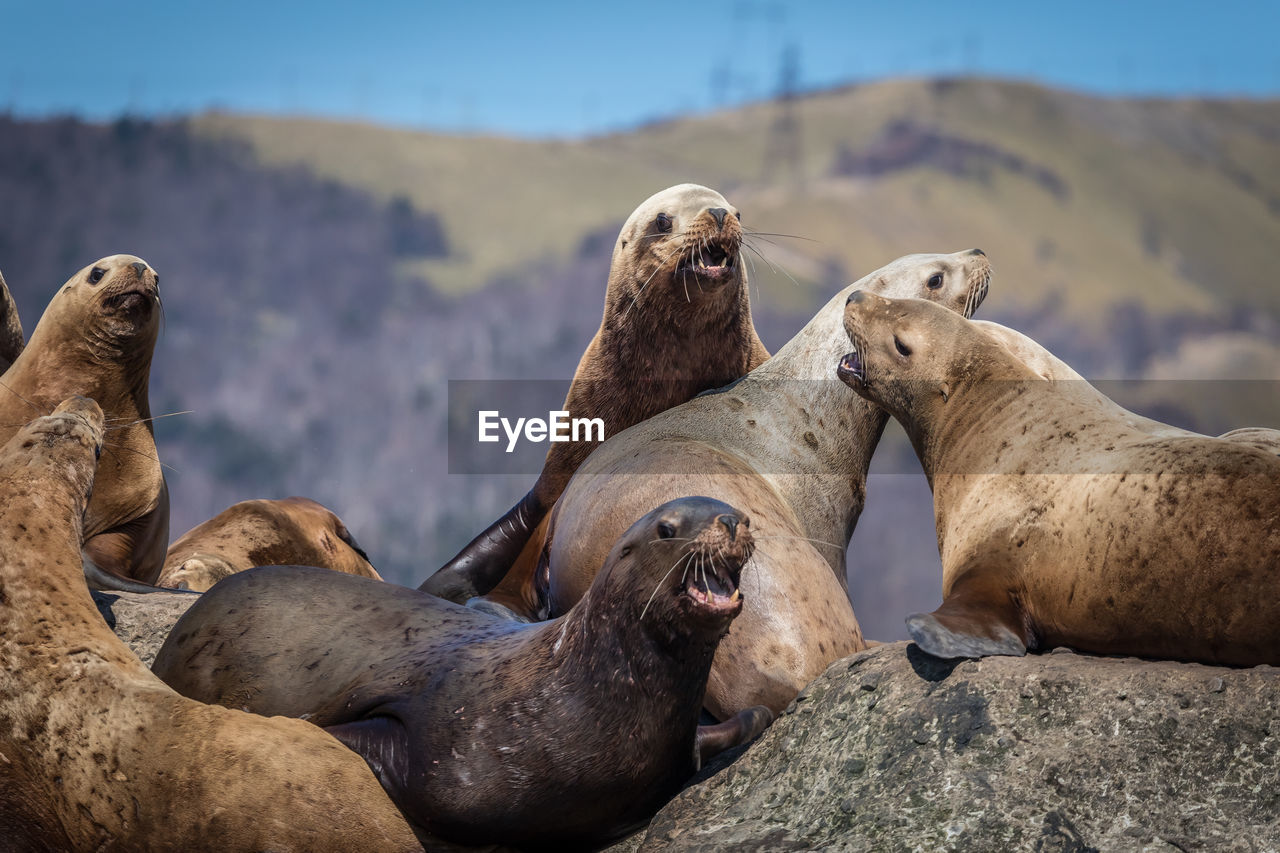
(1082, 202)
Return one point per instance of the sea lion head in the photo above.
(680, 244)
(679, 566)
(913, 356)
(958, 281)
(113, 304)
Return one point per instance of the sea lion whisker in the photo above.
(25, 400)
(145, 420)
(156, 459)
(751, 233)
(662, 263)
(686, 555)
(772, 266)
(762, 537)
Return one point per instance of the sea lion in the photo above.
(486, 731)
(677, 321)
(96, 339)
(294, 531)
(1060, 522)
(11, 340)
(788, 444)
(95, 752)
(1264, 439)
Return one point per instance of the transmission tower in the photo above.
(782, 154)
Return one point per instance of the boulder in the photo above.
(143, 621)
(891, 749)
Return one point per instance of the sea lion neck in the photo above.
(797, 393)
(65, 358)
(946, 418)
(653, 652)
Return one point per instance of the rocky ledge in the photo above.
(894, 750)
(143, 621)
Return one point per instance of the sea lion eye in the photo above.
(664, 223)
(935, 281)
(96, 274)
(665, 530)
(903, 349)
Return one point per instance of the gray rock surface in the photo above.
(893, 750)
(143, 621)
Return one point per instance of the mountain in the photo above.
(324, 281)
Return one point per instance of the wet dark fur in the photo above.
(484, 731)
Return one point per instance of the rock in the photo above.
(894, 750)
(143, 621)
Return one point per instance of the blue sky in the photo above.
(569, 68)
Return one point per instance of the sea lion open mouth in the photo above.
(852, 369)
(713, 567)
(711, 261)
(713, 591)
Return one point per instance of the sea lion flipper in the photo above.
(483, 563)
(742, 727)
(383, 742)
(968, 626)
(11, 338)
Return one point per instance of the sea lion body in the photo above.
(97, 752)
(96, 339)
(294, 531)
(485, 730)
(677, 321)
(787, 445)
(1061, 519)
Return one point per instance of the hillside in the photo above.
(1172, 204)
(324, 281)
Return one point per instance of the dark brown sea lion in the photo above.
(677, 321)
(11, 340)
(290, 532)
(1060, 520)
(486, 731)
(96, 339)
(788, 444)
(95, 752)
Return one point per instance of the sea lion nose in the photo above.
(718, 213)
(730, 523)
(977, 252)
(139, 267)
(856, 296)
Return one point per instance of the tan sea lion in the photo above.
(96, 339)
(1060, 521)
(294, 531)
(95, 752)
(677, 321)
(485, 731)
(789, 445)
(11, 340)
